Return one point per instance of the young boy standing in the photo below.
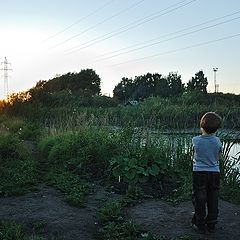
(206, 173)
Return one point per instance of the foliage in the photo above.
(230, 173)
(10, 231)
(85, 153)
(22, 129)
(17, 166)
(152, 158)
(75, 191)
(16, 231)
(110, 212)
(198, 83)
(68, 112)
(126, 230)
(148, 85)
(228, 163)
(134, 170)
(114, 225)
(134, 192)
(86, 81)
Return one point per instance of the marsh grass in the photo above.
(230, 170)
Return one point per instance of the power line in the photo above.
(78, 21)
(103, 21)
(130, 26)
(166, 35)
(166, 40)
(178, 49)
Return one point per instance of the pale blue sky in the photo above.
(37, 39)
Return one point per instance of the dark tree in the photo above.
(162, 88)
(175, 84)
(123, 90)
(198, 83)
(86, 82)
(148, 85)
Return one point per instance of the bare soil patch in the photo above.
(161, 218)
(46, 207)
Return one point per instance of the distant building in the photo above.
(131, 103)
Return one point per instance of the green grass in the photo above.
(75, 191)
(112, 211)
(115, 225)
(16, 231)
(17, 166)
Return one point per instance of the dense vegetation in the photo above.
(147, 85)
(64, 133)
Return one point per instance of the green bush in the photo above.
(17, 166)
(142, 164)
(86, 152)
(29, 131)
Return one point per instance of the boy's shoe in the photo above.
(211, 228)
(199, 229)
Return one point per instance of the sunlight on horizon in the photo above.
(39, 45)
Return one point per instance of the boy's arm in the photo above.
(221, 162)
(220, 156)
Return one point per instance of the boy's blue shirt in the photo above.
(207, 149)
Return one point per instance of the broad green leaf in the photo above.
(154, 170)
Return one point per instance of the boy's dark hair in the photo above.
(210, 122)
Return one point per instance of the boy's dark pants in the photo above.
(205, 192)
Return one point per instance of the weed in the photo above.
(71, 185)
(110, 212)
(17, 166)
(10, 231)
(16, 231)
(125, 230)
(134, 192)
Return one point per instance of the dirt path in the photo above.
(47, 206)
(69, 223)
(163, 219)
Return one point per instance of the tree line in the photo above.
(84, 89)
(155, 84)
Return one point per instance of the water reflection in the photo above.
(174, 139)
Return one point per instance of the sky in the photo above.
(120, 38)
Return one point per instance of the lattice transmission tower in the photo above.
(5, 70)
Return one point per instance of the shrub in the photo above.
(86, 152)
(17, 166)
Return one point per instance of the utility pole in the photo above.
(5, 70)
(215, 80)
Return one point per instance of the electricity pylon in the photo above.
(5, 70)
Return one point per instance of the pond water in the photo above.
(174, 138)
(235, 150)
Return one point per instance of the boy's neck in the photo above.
(204, 133)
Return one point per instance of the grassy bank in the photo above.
(161, 113)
